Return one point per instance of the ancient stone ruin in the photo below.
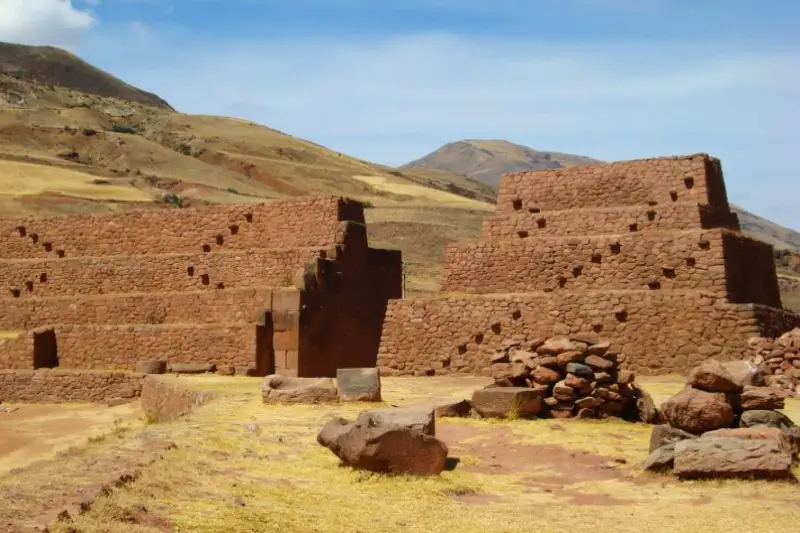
(288, 287)
(725, 423)
(645, 254)
(779, 359)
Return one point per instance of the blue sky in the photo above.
(392, 81)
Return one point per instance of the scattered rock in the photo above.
(359, 384)
(645, 406)
(697, 411)
(745, 373)
(757, 433)
(387, 448)
(724, 457)
(757, 418)
(191, 368)
(761, 398)
(453, 410)
(662, 459)
(664, 434)
(151, 367)
(712, 376)
(282, 389)
(419, 418)
(508, 402)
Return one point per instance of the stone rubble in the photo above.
(563, 377)
(779, 360)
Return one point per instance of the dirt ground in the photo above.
(241, 466)
(31, 433)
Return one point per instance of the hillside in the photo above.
(75, 139)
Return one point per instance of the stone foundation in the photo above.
(59, 386)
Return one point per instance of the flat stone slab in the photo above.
(419, 418)
(726, 457)
(151, 367)
(359, 384)
(508, 402)
(191, 368)
(283, 389)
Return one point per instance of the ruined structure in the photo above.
(289, 287)
(646, 254)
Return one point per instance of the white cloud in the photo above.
(38, 22)
(394, 99)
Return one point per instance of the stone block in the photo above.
(508, 402)
(358, 384)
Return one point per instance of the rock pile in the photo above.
(397, 440)
(725, 424)
(779, 359)
(563, 377)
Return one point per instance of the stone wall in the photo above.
(608, 220)
(645, 182)
(294, 223)
(189, 307)
(644, 253)
(165, 400)
(657, 332)
(57, 386)
(154, 273)
(686, 260)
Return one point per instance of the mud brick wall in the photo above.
(606, 221)
(153, 273)
(57, 385)
(302, 222)
(16, 352)
(656, 333)
(197, 307)
(661, 181)
(120, 347)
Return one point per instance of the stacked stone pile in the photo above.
(779, 359)
(570, 377)
(725, 424)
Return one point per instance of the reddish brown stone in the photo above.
(507, 402)
(761, 398)
(545, 376)
(712, 376)
(696, 411)
(598, 364)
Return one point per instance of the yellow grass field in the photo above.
(241, 466)
(25, 179)
(404, 188)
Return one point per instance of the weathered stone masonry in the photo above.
(289, 286)
(644, 253)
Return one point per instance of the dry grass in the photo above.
(25, 179)
(237, 451)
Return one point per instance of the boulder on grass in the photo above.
(662, 459)
(419, 418)
(664, 434)
(151, 367)
(358, 384)
(508, 402)
(712, 376)
(283, 389)
(725, 457)
(192, 368)
(758, 433)
(697, 411)
(389, 448)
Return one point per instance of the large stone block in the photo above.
(508, 402)
(359, 384)
(726, 457)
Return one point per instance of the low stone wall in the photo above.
(164, 399)
(58, 386)
(657, 332)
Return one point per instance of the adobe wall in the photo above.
(607, 221)
(656, 332)
(152, 273)
(196, 307)
(57, 386)
(661, 181)
(120, 347)
(302, 222)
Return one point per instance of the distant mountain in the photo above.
(487, 160)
